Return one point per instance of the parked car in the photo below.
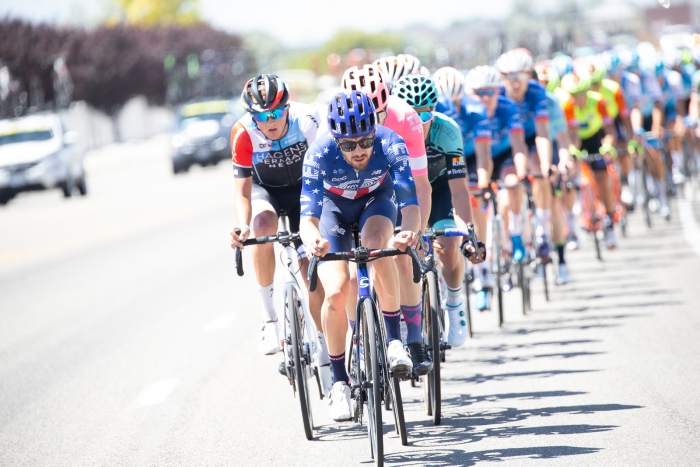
(202, 132)
(38, 153)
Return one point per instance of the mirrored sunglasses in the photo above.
(485, 92)
(426, 116)
(276, 114)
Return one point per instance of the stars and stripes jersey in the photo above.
(532, 107)
(326, 172)
(445, 151)
(401, 118)
(274, 163)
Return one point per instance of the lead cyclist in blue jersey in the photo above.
(355, 174)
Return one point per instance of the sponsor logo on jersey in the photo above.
(377, 172)
(397, 149)
(310, 172)
(371, 200)
(370, 182)
(279, 158)
(338, 179)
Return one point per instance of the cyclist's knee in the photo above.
(265, 223)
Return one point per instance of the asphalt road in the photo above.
(127, 339)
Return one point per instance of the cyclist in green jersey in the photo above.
(451, 201)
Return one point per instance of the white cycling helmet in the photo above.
(515, 61)
(483, 77)
(424, 71)
(394, 68)
(449, 82)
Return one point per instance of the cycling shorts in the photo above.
(531, 146)
(646, 123)
(501, 162)
(282, 199)
(441, 211)
(555, 153)
(592, 146)
(340, 213)
(620, 129)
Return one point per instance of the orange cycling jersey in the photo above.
(589, 119)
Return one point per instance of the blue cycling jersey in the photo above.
(532, 107)
(504, 121)
(687, 72)
(326, 171)
(446, 107)
(557, 120)
(471, 115)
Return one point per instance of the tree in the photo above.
(154, 12)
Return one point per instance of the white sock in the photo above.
(515, 224)
(544, 219)
(323, 358)
(267, 296)
(454, 296)
(661, 188)
(677, 158)
(570, 221)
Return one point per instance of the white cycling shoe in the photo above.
(563, 276)
(457, 333)
(400, 363)
(269, 343)
(339, 404)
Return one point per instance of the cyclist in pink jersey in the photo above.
(397, 115)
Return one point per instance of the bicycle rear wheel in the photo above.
(544, 278)
(497, 264)
(371, 343)
(397, 406)
(300, 361)
(433, 388)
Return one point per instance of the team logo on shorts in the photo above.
(459, 160)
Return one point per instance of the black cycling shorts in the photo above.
(283, 200)
(501, 161)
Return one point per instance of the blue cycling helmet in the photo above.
(351, 115)
(563, 64)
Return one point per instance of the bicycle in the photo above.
(528, 267)
(370, 379)
(434, 315)
(495, 238)
(592, 208)
(300, 344)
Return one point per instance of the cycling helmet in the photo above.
(370, 81)
(629, 59)
(449, 82)
(396, 67)
(515, 61)
(651, 65)
(418, 91)
(351, 115)
(563, 64)
(483, 77)
(263, 93)
(424, 71)
(611, 61)
(594, 69)
(547, 75)
(574, 83)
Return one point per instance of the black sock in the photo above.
(338, 366)
(560, 252)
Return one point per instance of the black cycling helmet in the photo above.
(264, 93)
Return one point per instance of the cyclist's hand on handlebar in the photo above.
(238, 235)
(468, 250)
(317, 247)
(553, 174)
(404, 239)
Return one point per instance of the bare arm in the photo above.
(243, 192)
(484, 163)
(544, 145)
(461, 202)
(424, 193)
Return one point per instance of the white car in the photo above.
(37, 153)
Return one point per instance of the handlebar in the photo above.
(362, 255)
(284, 238)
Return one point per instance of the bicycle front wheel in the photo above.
(300, 361)
(433, 391)
(370, 340)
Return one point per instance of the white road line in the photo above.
(219, 323)
(156, 393)
(691, 230)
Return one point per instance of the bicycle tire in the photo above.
(426, 332)
(467, 305)
(297, 332)
(497, 259)
(397, 407)
(523, 283)
(434, 338)
(596, 242)
(544, 278)
(375, 430)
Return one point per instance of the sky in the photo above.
(296, 22)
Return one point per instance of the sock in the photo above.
(267, 296)
(323, 357)
(560, 252)
(570, 222)
(412, 316)
(392, 322)
(515, 224)
(338, 366)
(677, 158)
(351, 323)
(454, 296)
(661, 189)
(544, 218)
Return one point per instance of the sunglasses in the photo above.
(349, 146)
(276, 114)
(426, 116)
(485, 92)
(513, 76)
